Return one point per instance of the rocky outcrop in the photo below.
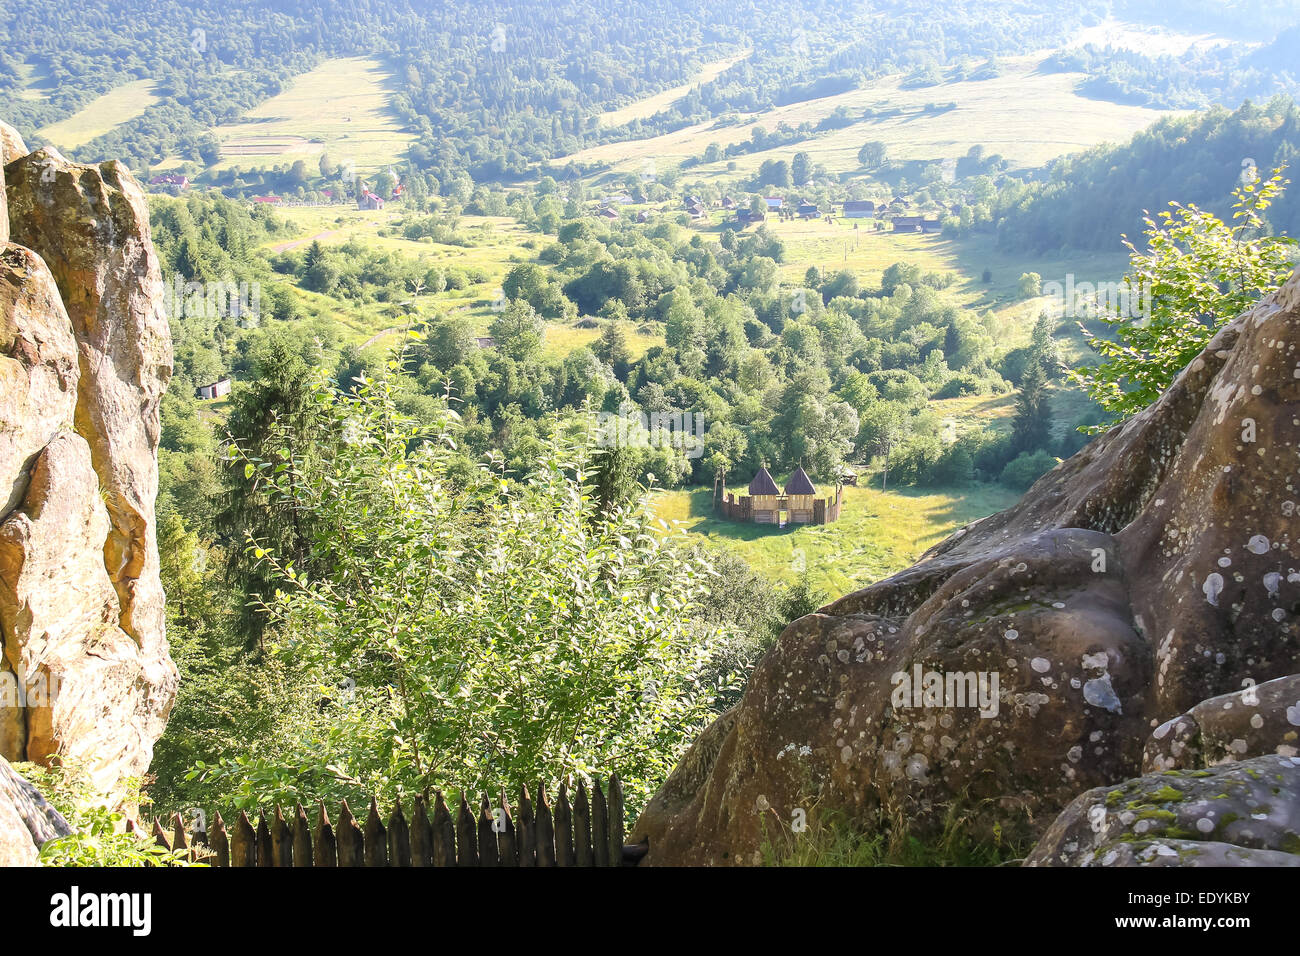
(11, 144)
(1256, 720)
(85, 355)
(1245, 813)
(26, 820)
(1151, 571)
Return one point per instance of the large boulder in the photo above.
(11, 144)
(1256, 720)
(1244, 813)
(86, 358)
(1147, 573)
(27, 820)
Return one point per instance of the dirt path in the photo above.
(379, 335)
(295, 243)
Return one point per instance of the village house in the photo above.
(218, 389)
(807, 210)
(369, 200)
(859, 209)
(908, 223)
(172, 182)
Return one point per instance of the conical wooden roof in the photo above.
(800, 483)
(763, 484)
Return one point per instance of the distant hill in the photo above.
(1085, 201)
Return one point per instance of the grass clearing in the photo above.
(340, 107)
(1026, 115)
(650, 105)
(878, 534)
(100, 116)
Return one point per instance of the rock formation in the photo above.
(26, 819)
(1244, 813)
(85, 355)
(1151, 571)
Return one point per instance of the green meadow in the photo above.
(878, 534)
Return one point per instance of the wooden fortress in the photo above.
(765, 503)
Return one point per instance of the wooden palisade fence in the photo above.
(585, 832)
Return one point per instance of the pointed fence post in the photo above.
(399, 837)
(615, 820)
(599, 826)
(219, 842)
(324, 846)
(243, 843)
(264, 855)
(421, 834)
(444, 833)
(281, 841)
(527, 832)
(545, 829)
(376, 838)
(581, 827)
(466, 835)
(563, 827)
(488, 852)
(507, 838)
(351, 842)
(302, 848)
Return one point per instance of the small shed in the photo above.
(764, 492)
(217, 389)
(800, 491)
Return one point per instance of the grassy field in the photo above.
(878, 534)
(499, 243)
(341, 107)
(650, 105)
(100, 116)
(1142, 38)
(1025, 115)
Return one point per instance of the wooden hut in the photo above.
(800, 492)
(766, 509)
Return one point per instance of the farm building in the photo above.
(172, 182)
(765, 503)
(774, 202)
(908, 223)
(218, 389)
(807, 210)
